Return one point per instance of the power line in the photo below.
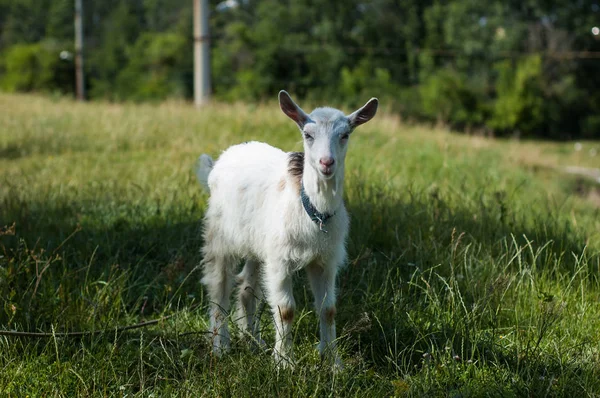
(562, 55)
(401, 50)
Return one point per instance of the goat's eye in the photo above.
(308, 137)
(344, 137)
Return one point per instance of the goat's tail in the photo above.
(204, 166)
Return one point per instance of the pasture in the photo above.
(474, 264)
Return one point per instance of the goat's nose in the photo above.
(327, 161)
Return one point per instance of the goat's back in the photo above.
(246, 166)
(243, 195)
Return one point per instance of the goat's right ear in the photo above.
(293, 111)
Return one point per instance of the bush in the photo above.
(520, 102)
(446, 96)
(154, 70)
(37, 67)
(591, 127)
(364, 81)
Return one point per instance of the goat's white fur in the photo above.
(255, 213)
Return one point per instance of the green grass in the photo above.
(474, 263)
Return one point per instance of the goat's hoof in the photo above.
(334, 360)
(219, 350)
(283, 362)
(338, 365)
(220, 345)
(258, 344)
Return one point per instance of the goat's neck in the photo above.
(325, 195)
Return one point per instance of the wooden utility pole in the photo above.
(79, 81)
(201, 53)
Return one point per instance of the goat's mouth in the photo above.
(326, 172)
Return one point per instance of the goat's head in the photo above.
(326, 132)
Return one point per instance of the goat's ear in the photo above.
(293, 111)
(364, 114)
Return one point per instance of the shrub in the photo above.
(591, 127)
(446, 96)
(520, 102)
(37, 67)
(364, 81)
(154, 70)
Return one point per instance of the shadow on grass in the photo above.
(11, 151)
(426, 287)
(42, 146)
(60, 268)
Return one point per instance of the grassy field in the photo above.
(474, 263)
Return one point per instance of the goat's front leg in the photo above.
(322, 282)
(279, 294)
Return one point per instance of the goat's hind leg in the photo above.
(218, 280)
(249, 296)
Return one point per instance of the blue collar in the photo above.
(319, 218)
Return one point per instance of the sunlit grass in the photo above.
(474, 263)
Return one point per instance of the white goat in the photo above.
(281, 212)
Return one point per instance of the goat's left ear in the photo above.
(293, 111)
(364, 114)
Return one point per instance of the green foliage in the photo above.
(117, 33)
(357, 84)
(36, 67)
(345, 52)
(60, 20)
(531, 101)
(591, 126)
(23, 21)
(446, 95)
(154, 69)
(520, 103)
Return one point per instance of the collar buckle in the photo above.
(321, 222)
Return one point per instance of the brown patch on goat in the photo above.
(296, 168)
(330, 315)
(281, 185)
(219, 316)
(287, 314)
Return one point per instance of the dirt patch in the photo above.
(586, 189)
(587, 184)
(594, 197)
(587, 172)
